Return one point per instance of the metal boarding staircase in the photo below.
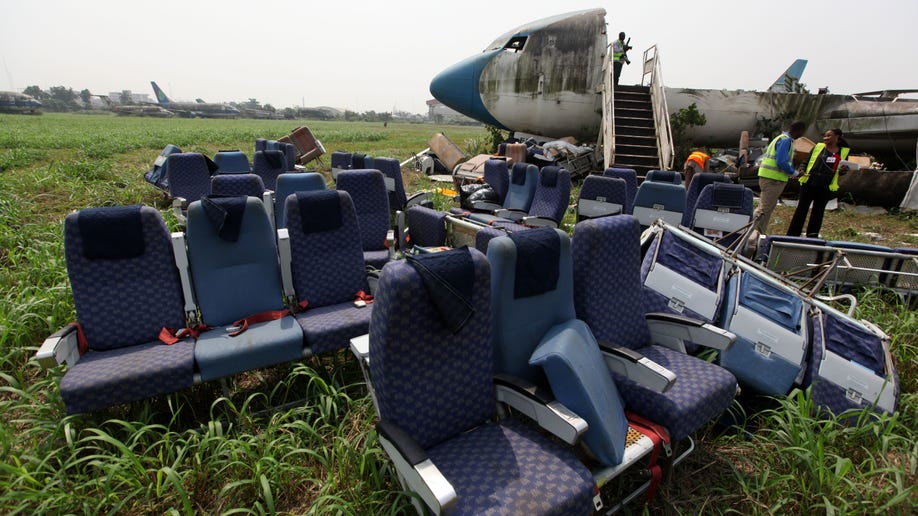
(635, 120)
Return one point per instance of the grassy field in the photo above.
(245, 447)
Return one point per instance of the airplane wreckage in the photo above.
(549, 78)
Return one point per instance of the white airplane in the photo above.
(543, 78)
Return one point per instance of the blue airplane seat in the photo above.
(237, 184)
(699, 181)
(601, 196)
(664, 176)
(289, 183)
(630, 177)
(722, 209)
(340, 160)
(367, 189)
(232, 162)
(269, 164)
(656, 200)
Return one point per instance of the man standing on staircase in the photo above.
(619, 56)
(776, 168)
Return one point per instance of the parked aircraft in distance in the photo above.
(199, 109)
(14, 102)
(544, 78)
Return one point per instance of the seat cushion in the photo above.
(376, 259)
(263, 344)
(702, 391)
(103, 378)
(510, 468)
(329, 328)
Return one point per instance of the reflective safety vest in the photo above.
(618, 50)
(769, 167)
(698, 157)
(814, 155)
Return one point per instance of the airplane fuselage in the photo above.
(14, 102)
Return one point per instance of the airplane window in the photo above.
(516, 43)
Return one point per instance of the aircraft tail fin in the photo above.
(161, 97)
(788, 81)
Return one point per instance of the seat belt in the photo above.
(170, 336)
(271, 315)
(82, 344)
(660, 438)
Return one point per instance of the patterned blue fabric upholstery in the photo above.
(189, 176)
(552, 194)
(237, 184)
(497, 175)
(260, 144)
(232, 162)
(523, 180)
(289, 183)
(608, 297)
(668, 195)
(485, 234)
(268, 165)
(341, 159)
(392, 170)
(709, 199)
(234, 280)
(630, 178)
(329, 328)
(136, 372)
(328, 271)
(376, 259)
(289, 151)
(437, 386)
(605, 189)
(699, 181)
(427, 226)
(367, 189)
(664, 176)
(122, 304)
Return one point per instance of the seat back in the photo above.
(432, 381)
(601, 196)
(289, 151)
(394, 184)
(261, 144)
(532, 291)
(552, 195)
(232, 162)
(237, 184)
(630, 178)
(520, 191)
(340, 160)
(722, 208)
(607, 280)
(233, 259)
(158, 176)
(664, 176)
(122, 272)
(864, 263)
(427, 226)
(699, 181)
(906, 278)
(289, 183)
(189, 175)
(367, 189)
(269, 164)
(497, 175)
(327, 259)
(659, 201)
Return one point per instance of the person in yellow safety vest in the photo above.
(619, 56)
(819, 182)
(776, 168)
(694, 164)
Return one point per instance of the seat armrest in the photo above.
(539, 406)
(60, 347)
(360, 347)
(401, 230)
(179, 204)
(673, 331)
(419, 473)
(180, 254)
(511, 214)
(286, 264)
(636, 367)
(489, 207)
(539, 222)
(267, 198)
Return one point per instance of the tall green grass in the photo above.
(299, 438)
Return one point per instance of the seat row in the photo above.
(572, 351)
(157, 313)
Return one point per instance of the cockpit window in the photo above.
(516, 43)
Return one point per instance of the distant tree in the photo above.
(252, 104)
(680, 122)
(35, 92)
(62, 99)
(350, 116)
(86, 97)
(385, 117)
(289, 113)
(270, 108)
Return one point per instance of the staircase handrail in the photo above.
(652, 67)
(607, 128)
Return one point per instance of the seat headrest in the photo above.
(320, 210)
(274, 158)
(549, 177)
(727, 195)
(449, 279)
(538, 254)
(111, 233)
(667, 176)
(518, 173)
(225, 214)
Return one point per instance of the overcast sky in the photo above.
(380, 55)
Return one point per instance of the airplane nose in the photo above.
(457, 88)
